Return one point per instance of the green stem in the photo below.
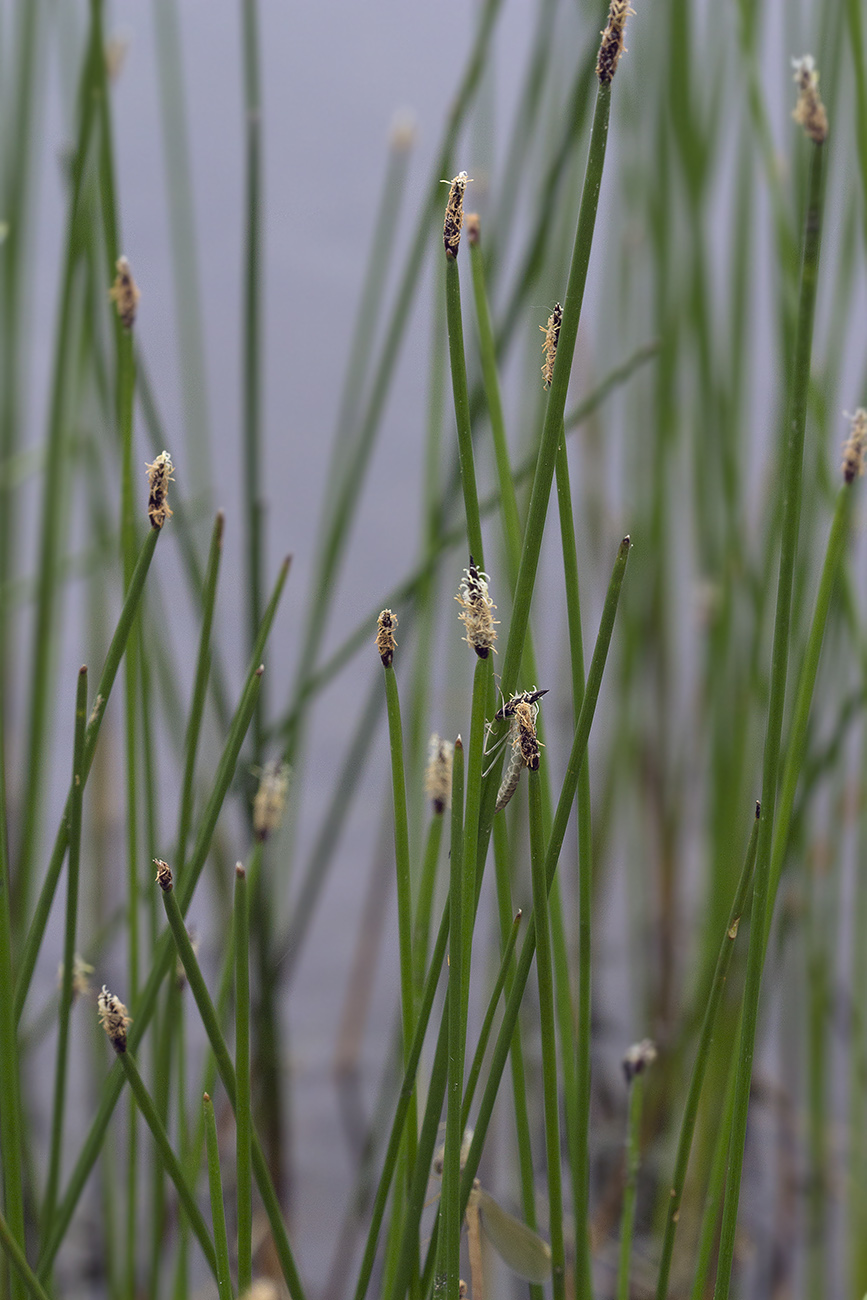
(251, 318)
(218, 1212)
(555, 844)
(10, 1085)
(168, 1157)
(18, 1260)
(103, 691)
(448, 1279)
(702, 1059)
(211, 1024)
(243, 1117)
(462, 410)
(67, 989)
(545, 976)
(633, 1160)
(200, 688)
(791, 472)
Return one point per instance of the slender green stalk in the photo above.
(103, 691)
(791, 472)
(18, 1260)
(797, 740)
(243, 1115)
(715, 1190)
(200, 688)
(166, 1154)
(702, 1058)
(55, 473)
(401, 1108)
(11, 1134)
(409, 587)
(162, 960)
(424, 903)
(545, 976)
(557, 397)
(67, 992)
(182, 234)
(470, 882)
(404, 897)
(462, 410)
(448, 1270)
(218, 1212)
(488, 1023)
(251, 318)
(633, 1161)
(581, 1101)
(555, 844)
(210, 1021)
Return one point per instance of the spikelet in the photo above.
(477, 611)
(473, 227)
(455, 213)
(261, 1289)
(164, 875)
(160, 474)
(552, 337)
(855, 445)
(80, 972)
(438, 774)
(612, 40)
(809, 112)
(270, 799)
(124, 293)
(638, 1058)
(114, 1018)
(385, 642)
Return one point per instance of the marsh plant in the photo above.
(662, 844)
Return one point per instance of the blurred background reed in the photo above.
(294, 350)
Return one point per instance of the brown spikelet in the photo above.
(164, 875)
(612, 40)
(114, 1018)
(438, 774)
(552, 337)
(455, 213)
(477, 611)
(80, 972)
(473, 227)
(125, 293)
(855, 446)
(385, 642)
(160, 474)
(809, 112)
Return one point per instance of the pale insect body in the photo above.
(523, 710)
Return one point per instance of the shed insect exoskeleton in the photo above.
(523, 710)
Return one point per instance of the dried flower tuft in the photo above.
(125, 293)
(477, 611)
(164, 875)
(438, 776)
(160, 474)
(855, 445)
(612, 40)
(809, 112)
(80, 982)
(638, 1058)
(455, 213)
(385, 642)
(270, 799)
(552, 337)
(114, 1018)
